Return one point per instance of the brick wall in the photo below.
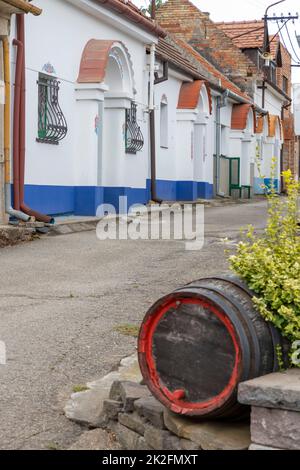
(285, 70)
(184, 20)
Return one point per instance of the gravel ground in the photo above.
(61, 299)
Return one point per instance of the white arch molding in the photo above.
(119, 74)
(200, 136)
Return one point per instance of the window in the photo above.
(52, 126)
(272, 73)
(134, 140)
(164, 131)
(224, 140)
(285, 85)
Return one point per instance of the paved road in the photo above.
(60, 300)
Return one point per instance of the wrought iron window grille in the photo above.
(134, 140)
(52, 125)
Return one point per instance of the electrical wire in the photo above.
(288, 33)
(284, 43)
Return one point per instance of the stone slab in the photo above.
(133, 421)
(87, 407)
(210, 435)
(258, 447)
(278, 390)
(127, 392)
(128, 439)
(152, 410)
(111, 409)
(160, 439)
(275, 428)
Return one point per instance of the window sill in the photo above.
(45, 141)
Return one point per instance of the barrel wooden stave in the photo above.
(175, 336)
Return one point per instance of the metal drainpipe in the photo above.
(16, 123)
(20, 137)
(156, 81)
(263, 96)
(226, 94)
(218, 143)
(152, 126)
(8, 206)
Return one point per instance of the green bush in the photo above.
(270, 264)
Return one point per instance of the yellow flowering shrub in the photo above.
(270, 264)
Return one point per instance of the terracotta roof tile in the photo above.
(244, 34)
(272, 122)
(184, 20)
(239, 116)
(167, 49)
(260, 124)
(249, 35)
(223, 81)
(133, 13)
(189, 95)
(94, 61)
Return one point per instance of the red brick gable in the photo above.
(223, 81)
(186, 22)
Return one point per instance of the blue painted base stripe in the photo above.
(84, 200)
(50, 200)
(260, 185)
(183, 190)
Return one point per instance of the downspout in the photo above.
(16, 124)
(156, 81)
(263, 95)
(8, 207)
(218, 142)
(152, 126)
(21, 136)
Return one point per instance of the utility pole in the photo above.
(267, 18)
(266, 45)
(153, 9)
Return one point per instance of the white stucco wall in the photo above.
(166, 158)
(58, 37)
(189, 155)
(273, 102)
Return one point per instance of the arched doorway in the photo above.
(201, 150)
(105, 90)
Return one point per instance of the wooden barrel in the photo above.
(197, 344)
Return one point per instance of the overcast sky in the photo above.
(232, 10)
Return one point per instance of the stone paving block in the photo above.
(278, 390)
(160, 439)
(258, 447)
(87, 407)
(111, 409)
(142, 444)
(280, 428)
(133, 421)
(210, 435)
(126, 437)
(152, 410)
(128, 393)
